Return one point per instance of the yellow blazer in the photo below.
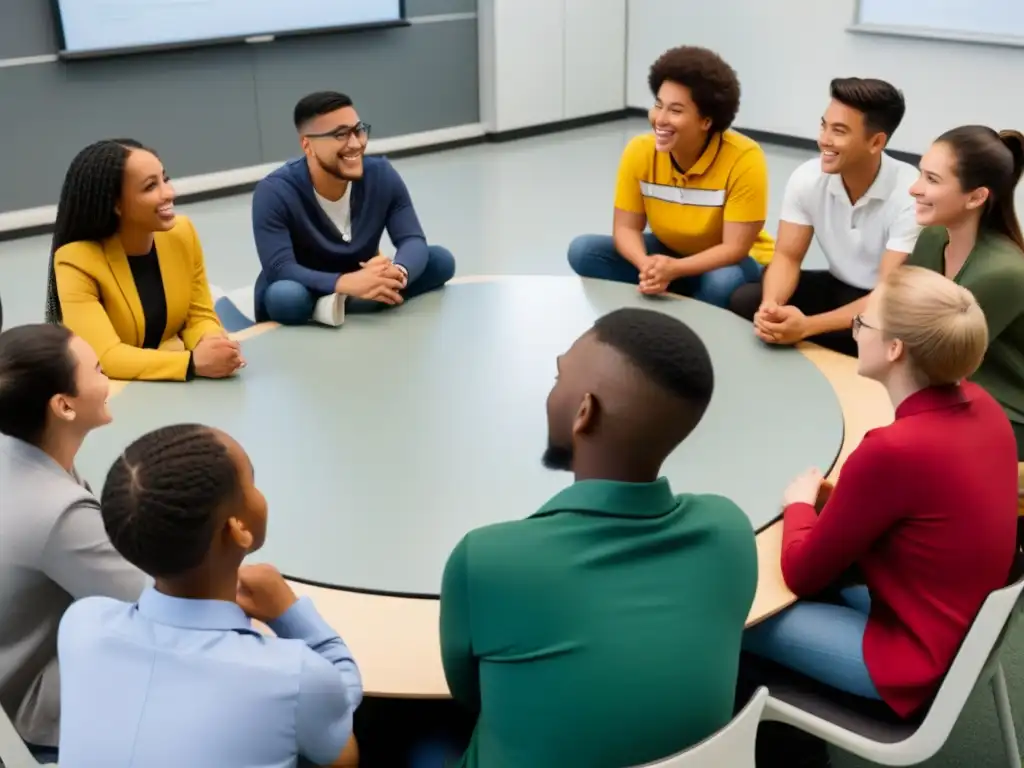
(100, 303)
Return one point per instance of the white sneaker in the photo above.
(330, 310)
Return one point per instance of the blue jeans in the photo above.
(291, 303)
(595, 256)
(823, 641)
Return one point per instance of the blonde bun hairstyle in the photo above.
(940, 324)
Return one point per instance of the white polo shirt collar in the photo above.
(853, 236)
(881, 188)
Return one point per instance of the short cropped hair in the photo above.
(880, 102)
(319, 103)
(664, 349)
(939, 322)
(162, 497)
(36, 364)
(713, 84)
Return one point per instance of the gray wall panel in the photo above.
(213, 109)
(415, 8)
(196, 111)
(26, 28)
(432, 84)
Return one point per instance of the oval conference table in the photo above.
(380, 444)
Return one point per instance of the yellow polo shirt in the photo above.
(687, 211)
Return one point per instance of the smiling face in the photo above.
(676, 120)
(845, 140)
(336, 143)
(87, 409)
(147, 197)
(940, 199)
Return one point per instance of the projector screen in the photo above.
(93, 27)
(994, 21)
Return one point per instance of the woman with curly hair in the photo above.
(700, 188)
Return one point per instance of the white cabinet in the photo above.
(595, 57)
(544, 61)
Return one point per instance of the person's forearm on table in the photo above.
(716, 257)
(302, 622)
(837, 320)
(781, 278)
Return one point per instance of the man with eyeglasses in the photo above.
(318, 221)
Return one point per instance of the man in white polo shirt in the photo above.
(855, 199)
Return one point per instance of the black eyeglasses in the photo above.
(360, 130)
(858, 323)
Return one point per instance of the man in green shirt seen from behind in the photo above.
(604, 631)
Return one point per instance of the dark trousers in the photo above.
(817, 292)
(411, 733)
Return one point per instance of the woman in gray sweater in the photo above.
(54, 548)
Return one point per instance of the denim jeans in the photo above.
(291, 303)
(823, 641)
(595, 256)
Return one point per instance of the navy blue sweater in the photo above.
(296, 240)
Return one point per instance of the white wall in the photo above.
(786, 51)
(543, 61)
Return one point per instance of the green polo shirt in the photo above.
(602, 631)
(994, 273)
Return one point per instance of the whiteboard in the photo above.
(108, 26)
(999, 22)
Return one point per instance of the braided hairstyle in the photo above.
(92, 187)
(162, 498)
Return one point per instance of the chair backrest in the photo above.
(982, 642)
(13, 752)
(733, 746)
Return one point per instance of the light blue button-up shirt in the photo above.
(170, 683)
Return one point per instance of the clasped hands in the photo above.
(378, 279)
(777, 324)
(657, 272)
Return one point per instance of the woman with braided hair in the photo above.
(182, 678)
(127, 274)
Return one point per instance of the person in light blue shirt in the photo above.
(181, 677)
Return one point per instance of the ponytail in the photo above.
(1003, 212)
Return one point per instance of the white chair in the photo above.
(13, 752)
(731, 747)
(889, 743)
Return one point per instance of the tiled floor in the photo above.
(503, 209)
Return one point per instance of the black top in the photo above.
(150, 285)
(149, 282)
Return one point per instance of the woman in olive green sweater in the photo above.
(972, 236)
